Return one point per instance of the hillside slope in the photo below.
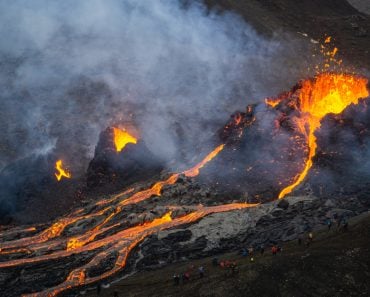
(336, 264)
(349, 28)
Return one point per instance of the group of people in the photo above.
(188, 275)
(249, 252)
(342, 222)
(230, 266)
(307, 241)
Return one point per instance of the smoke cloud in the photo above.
(71, 68)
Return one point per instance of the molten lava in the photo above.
(122, 138)
(61, 172)
(326, 93)
(195, 170)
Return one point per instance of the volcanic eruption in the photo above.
(106, 236)
(327, 93)
(152, 187)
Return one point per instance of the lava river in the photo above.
(52, 244)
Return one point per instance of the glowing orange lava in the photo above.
(195, 170)
(61, 172)
(326, 93)
(272, 102)
(122, 138)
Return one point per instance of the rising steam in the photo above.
(70, 69)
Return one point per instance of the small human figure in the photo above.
(345, 224)
(310, 237)
(274, 250)
(98, 289)
(233, 267)
(187, 276)
(262, 249)
(329, 223)
(176, 279)
(245, 252)
(115, 294)
(201, 271)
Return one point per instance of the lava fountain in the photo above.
(61, 172)
(122, 138)
(327, 93)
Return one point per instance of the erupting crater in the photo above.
(122, 138)
(61, 172)
(327, 93)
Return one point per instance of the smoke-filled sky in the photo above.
(71, 68)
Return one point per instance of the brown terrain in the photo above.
(349, 27)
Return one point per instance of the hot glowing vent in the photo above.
(61, 172)
(327, 93)
(122, 138)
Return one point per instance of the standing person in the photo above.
(98, 289)
(310, 237)
(233, 268)
(299, 240)
(176, 279)
(274, 250)
(244, 252)
(345, 224)
(339, 222)
(115, 294)
(201, 271)
(329, 223)
(187, 275)
(262, 249)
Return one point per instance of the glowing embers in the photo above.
(61, 172)
(326, 93)
(122, 138)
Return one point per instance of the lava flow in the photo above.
(61, 172)
(195, 170)
(122, 138)
(103, 236)
(327, 93)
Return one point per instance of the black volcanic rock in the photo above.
(284, 204)
(110, 170)
(30, 193)
(341, 166)
(261, 155)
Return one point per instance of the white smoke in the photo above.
(71, 68)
